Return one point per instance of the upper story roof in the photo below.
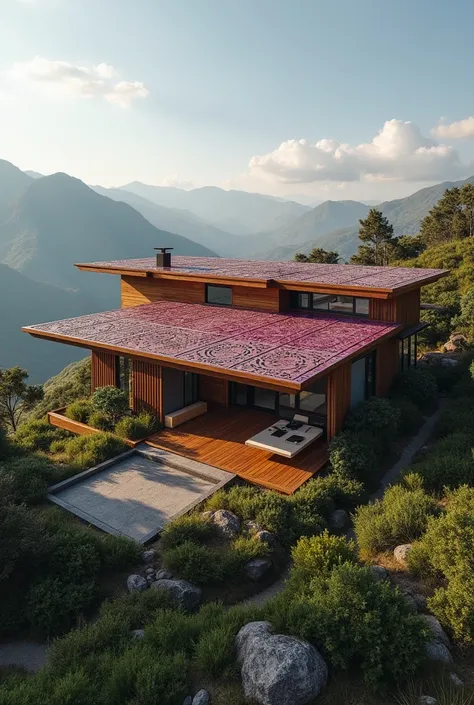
(356, 279)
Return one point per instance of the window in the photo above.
(218, 295)
(349, 305)
(408, 352)
(191, 388)
(362, 379)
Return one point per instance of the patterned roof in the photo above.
(350, 275)
(283, 348)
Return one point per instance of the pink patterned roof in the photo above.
(346, 275)
(284, 348)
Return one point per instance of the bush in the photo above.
(411, 417)
(453, 605)
(214, 653)
(352, 455)
(79, 410)
(118, 552)
(4, 444)
(25, 479)
(134, 427)
(457, 416)
(377, 417)
(401, 516)
(111, 401)
(38, 435)
(318, 555)
(53, 604)
(446, 377)
(197, 564)
(242, 550)
(189, 527)
(418, 385)
(101, 421)
(449, 464)
(84, 452)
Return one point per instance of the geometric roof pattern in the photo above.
(289, 349)
(348, 275)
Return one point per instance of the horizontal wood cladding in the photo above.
(102, 369)
(387, 365)
(263, 299)
(339, 398)
(213, 390)
(404, 309)
(135, 292)
(147, 387)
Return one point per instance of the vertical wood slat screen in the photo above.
(102, 369)
(404, 309)
(147, 387)
(339, 398)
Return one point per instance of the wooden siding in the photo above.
(218, 439)
(387, 365)
(213, 390)
(338, 398)
(404, 309)
(136, 291)
(102, 369)
(146, 387)
(263, 299)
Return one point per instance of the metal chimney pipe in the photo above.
(163, 258)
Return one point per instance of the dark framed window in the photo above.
(218, 295)
(408, 352)
(345, 305)
(363, 378)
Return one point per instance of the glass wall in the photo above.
(349, 305)
(180, 389)
(362, 379)
(408, 352)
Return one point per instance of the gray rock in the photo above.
(186, 595)
(279, 669)
(265, 537)
(228, 524)
(149, 556)
(201, 698)
(420, 601)
(188, 700)
(150, 570)
(138, 633)
(150, 578)
(436, 651)
(252, 527)
(338, 520)
(455, 680)
(401, 553)
(379, 572)
(256, 568)
(248, 636)
(136, 583)
(437, 630)
(207, 515)
(409, 599)
(427, 700)
(163, 575)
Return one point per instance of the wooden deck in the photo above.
(218, 439)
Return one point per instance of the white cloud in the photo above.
(459, 130)
(77, 81)
(398, 152)
(176, 182)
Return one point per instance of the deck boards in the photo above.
(218, 439)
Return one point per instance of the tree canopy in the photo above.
(319, 256)
(16, 396)
(377, 240)
(452, 218)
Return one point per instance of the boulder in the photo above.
(256, 568)
(201, 698)
(409, 599)
(186, 595)
(188, 700)
(455, 680)
(379, 572)
(149, 556)
(163, 575)
(207, 515)
(136, 583)
(427, 700)
(338, 520)
(279, 669)
(265, 537)
(401, 553)
(150, 570)
(252, 527)
(138, 634)
(457, 342)
(436, 629)
(421, 602)
(436, 651)
(228, 524)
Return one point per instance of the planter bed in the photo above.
(60, 420)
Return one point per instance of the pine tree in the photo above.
(378, 242)
(319, 256)
(452, 218)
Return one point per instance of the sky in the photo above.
(305, 99)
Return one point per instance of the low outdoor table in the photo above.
(285, 444)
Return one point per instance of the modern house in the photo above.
(226, 352)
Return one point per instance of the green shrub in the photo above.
(446, 377)
(83, 452)
(25, 479)
(53, 604)
(318, 555)
(111, 401)
(352, 455)
(172, 630)
(189, 527)
(79, 410)
(242, 550)
(4, 443)
(101, 421)
(411, 417)
(214, 654)
(399, 517)
(118, 552)
(377, 417)
(133, 428)
(446, 469)
(190, 561)
(418, 385)
(38, 435)
(453, 605)
(457, 416)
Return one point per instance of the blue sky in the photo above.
(223, 91)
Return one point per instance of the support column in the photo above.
(103, 369)
(338, 398)
(147, 388)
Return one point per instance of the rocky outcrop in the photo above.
(338, 520)
(227, 523)
(256, 568)
(437, 631)
(379, 572)
(457, 343)
(278, 669)
(149, 556)
(163, 575)
(201, 698)
(188, 596)
(401, 553)
(136, 583)
(436, 651)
